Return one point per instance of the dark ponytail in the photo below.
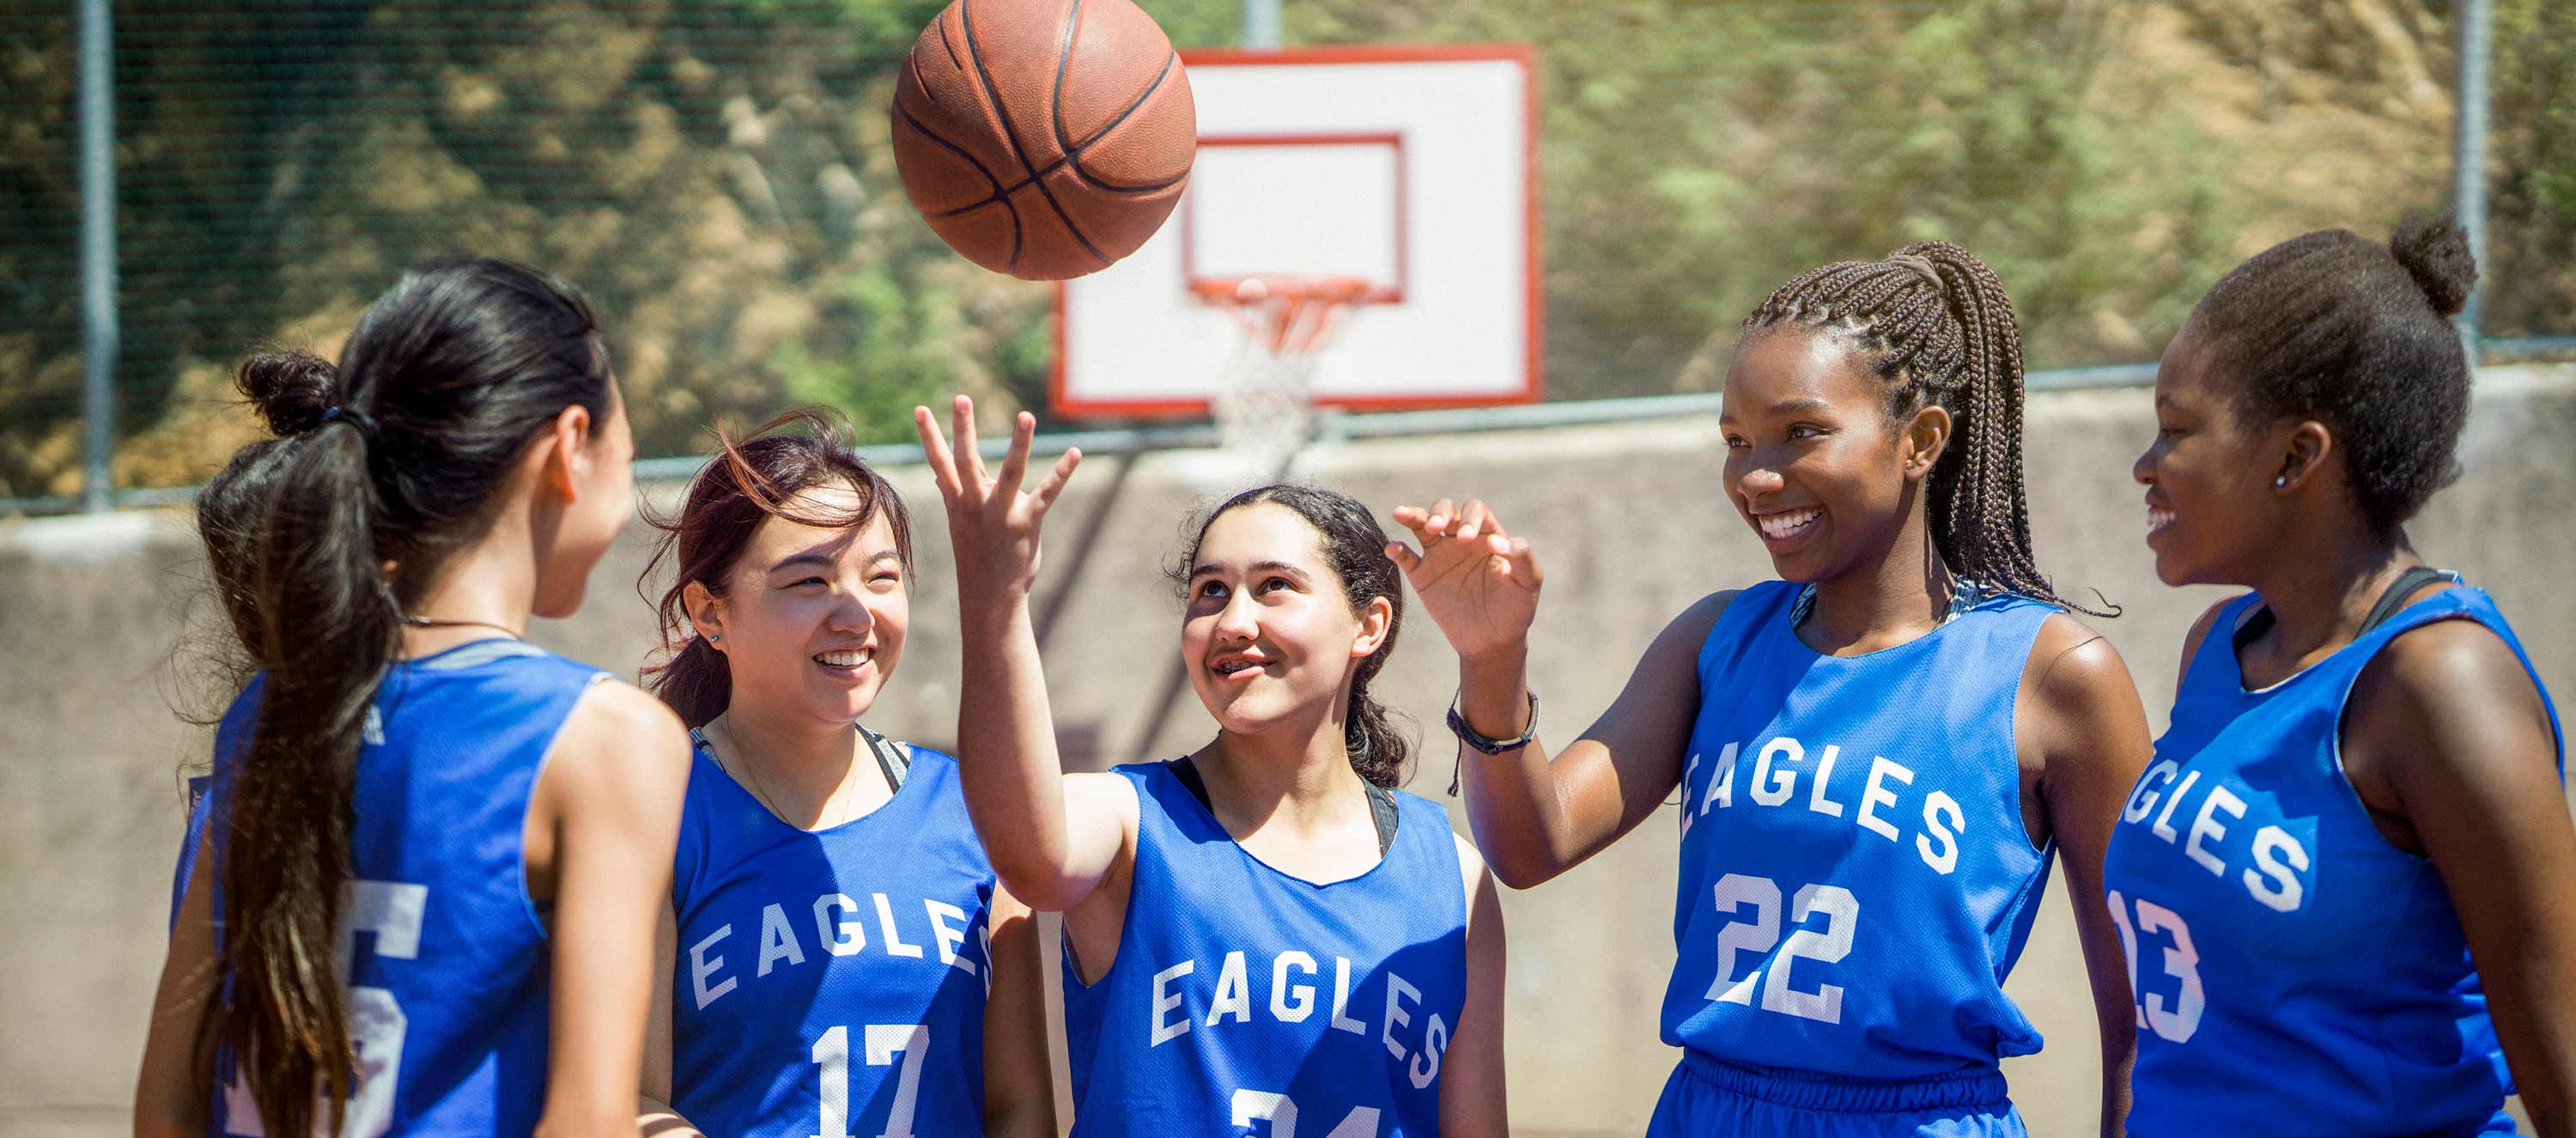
(391, 458)
(1355, 546)
(748, 482)
(1940, 331)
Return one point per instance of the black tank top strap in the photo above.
(891, 758)
(2406, 585)
(2391, 599)
(1382, 809)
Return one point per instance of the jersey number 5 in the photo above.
(392, 911)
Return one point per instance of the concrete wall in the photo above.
(1631, 527)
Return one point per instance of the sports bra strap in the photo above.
(2406, 585)
(2391, 599)
(1382, 809)
(891, 757)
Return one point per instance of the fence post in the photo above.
(2469, 151)
(1261, 24)
(98, 252)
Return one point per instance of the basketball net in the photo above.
(1264, 407)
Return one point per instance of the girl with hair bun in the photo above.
(2344, 881)
(1263, 933)
(836, 958)
(1877, 755)
(423, 897)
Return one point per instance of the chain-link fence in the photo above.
(716, 173)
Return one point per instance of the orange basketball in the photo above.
(1044, 138)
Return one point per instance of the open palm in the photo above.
(992, 524)
(1479, 583)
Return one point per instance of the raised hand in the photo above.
(992, 523)
(1479, 583)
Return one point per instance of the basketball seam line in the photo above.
(953, 61)
(922, 83)
(960, 151)
(1072, 154)
(1001, 191)
(966, 18)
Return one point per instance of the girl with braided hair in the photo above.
(1877, 754)
(2365, 927)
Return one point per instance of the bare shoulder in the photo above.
(2072, 665)
(2447, 689)
(1702, 615)
(1105, 790)
(617, 733)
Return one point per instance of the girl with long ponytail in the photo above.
(1876, 755)
(425, 895)
(1263, 929)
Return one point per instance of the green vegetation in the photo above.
(716, 173)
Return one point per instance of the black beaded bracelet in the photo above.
(1458, 726)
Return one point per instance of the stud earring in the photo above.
(2281, 481)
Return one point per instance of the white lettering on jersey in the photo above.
(703, 966)
(1281, 990)
(949, 936)
(777, 942)
(1165, 1000)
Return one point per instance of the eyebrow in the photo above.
(815, 559)
(1258, 567)
(1785, 407)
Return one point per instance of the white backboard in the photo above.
(1410, 167)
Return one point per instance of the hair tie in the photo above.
(336, 413)
(1923, 267)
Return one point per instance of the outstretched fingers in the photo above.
(1015, 461)
(961, 425)
(1053, 483)
(934, 451)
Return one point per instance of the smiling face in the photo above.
(812, 618)
(1814, 462)
(1269, 638)
(2211, 505)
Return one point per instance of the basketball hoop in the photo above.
(1264, 407)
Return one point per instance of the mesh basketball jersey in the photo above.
(2289, 963)
(831, 983)
(1856, 878)
(445, 956)
(1246, 1000)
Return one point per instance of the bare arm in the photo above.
(173, 1091)
(610, 794)
(2090, 734)
(1019, 1081)
(1536, 817)
(2447, 720)
(1052, 839)
(654, 1116)
(1472, 1100)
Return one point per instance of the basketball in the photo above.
(1044, 138)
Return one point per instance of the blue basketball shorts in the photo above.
(1713, 1098)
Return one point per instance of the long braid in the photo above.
(1938, 329)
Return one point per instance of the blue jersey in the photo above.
(1856, 878)
(2289, 963)
(1246, 1000)
(445, 955)
(831, 982)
